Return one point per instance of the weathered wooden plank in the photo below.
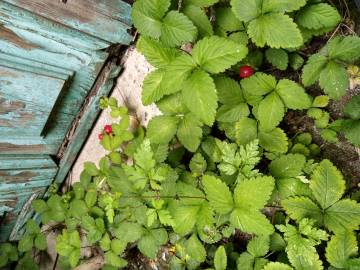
(13, 179)
(85, 15)
(8, 162)
(24, 19)
(29, 146)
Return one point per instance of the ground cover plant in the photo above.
(216, 181)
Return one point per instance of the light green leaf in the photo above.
(147, 15)
(277, 266)
(312, 69)
(302, 207)
(199, 18)
(259, 246)
(152, 87)
(177, 29)
(327, 184)
(251, 221)
(340, 248)
(172, 105)
(185, 218)
(231, 113)
(318, 16)
(246, 10)
(245, 261)
(129, 231)
(351, 129)
(229, 91)
(287, 166)
(162, 129)
(293, 95)
(334, 80)
(352, 108)
(40, 242)
(201, 3)
(278, 58)
(74, 258)
(218, 194)
(343, 215)
(245, 131)
(39, 206)
(220, 258)
(282, 5)
(26, 243)
(274, 141)
(216, 54)
(271, 111)
(144, 156)
(346, 50)
(199, 95)
(114, 260)
(227, 20)
(91, 169)
(296, 61)
(118, 246)
(190, 132)
(150, 243)
(276, 30)
(195, 249)
(259, 84)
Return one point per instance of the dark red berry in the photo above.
(101, 136)
(246, 71)
(108, 129)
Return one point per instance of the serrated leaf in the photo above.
(199, 18)
(152, 89)
(274, 141)
(232, 113)
(351, 129)
(190, 132)
(293, 95)
(259, 246)
(296, 61)
(251, 221)
(288, 187)
(185, 218)
(352, 108)
(278, 58)
(201, 3)
(129, 231)
(26, 243)
(117, 246)
(199, 95)
(39, 206)
(229, 91)
(327, 184)
(227, 20)
(270, 112)
(114, 260)
(277, 266)
(177, 29)
(334, 80)
(259, 84)
(172, 105)
(246, 10)
(302, 207)
(282, 5)
(218, 194)
(312, 69)
(340, 248)
(195, 249)
(40, 242)
(162, 129)
(287, 166)
(343, 215)
(318, 16)
(91, 168)
(150, 243)
(347, 49)
(220, 259)
(245, 261)
(245, 131)
(147, 15)
(276, 30)
(216, 54)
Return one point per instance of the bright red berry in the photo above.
(108, 129)
(246, 71)
(101, 136)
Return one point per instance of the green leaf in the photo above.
(218, 194)
(352, 108)
(156, 53)
(277, 266)
(152, 87)
(287, 166)
(259, 246)
(351, 129)
(128, 231)
(118, 246)
(220, 258)
(185, 218)
(229, 91)
(199, 18)
(114, 260)
(245, 131)
(296, 61)
(150, 243)
(282, 5)
(276, 30)
(278, 58)
(246, 10)
(271, 111)
(40, 242)
(227, 20)
(105, 242)
(91, 168)
(251, 221)
(39, 206)
(147, 15)
(343, 215)
(26, 243)
(74, 258)
(91, 197)
(327, 184)
(334, 80)
(32, 227)
(274, 141)
(199, 95)
(172, 105)
(197, 164)
(340, 248)
(245, 261)
(190, 132)
(302, 207)
(195, 249)
(216, 54)
(312, 69)
(78, 208)
(293, 95)
(318, 16)
(346, 49)
(231, 113)
(177, 29)
(162, 129)
(201, 3)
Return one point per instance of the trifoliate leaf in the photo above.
(251, 221)
(276, 30)
(246, 10)
(190, 132)
(274, 141)
(195, 249)
(277, 266)
(302, 207)
(270, 112)
(278, 58)
(259, 84)
(327, 184)
(312, 69)
(343, 215)
(216, 54)
(259, 246)
(293, 95)
(340, 248)
(220, 259)
(156, 53)
(201, 3)
(318, 16)
(231, 113)
(177, 29)
(147, 16)
(227, 20)
(334, 80)
(282, 5)
(162, 129)
(287, 166)
(345, 49)
(199, 95)
(199, 19)
(229, 91)
(218, 194)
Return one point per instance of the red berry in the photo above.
(108, 129)
(246, 71)
(101, 136)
